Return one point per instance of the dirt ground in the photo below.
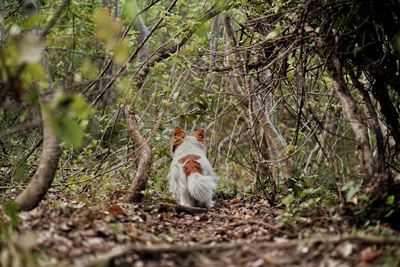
(234, 233)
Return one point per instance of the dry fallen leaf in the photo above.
(235, 201)
(369, 255)
(115, 209)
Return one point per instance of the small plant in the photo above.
(18, 249)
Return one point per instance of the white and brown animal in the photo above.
(192, 181)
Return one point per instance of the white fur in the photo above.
(196, 187)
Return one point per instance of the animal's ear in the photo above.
(178, 133)
(199, 134)
(178, 136)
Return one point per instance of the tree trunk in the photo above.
(44, 175)
(366, 158)
(146, 158)
(373, 122)
(42, 179)
(2, 25)
(3, 92)
(141, 27)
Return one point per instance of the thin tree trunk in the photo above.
(3, 92)
(142, 174)
(117, 9)
(141, 27)
(44, 175)
(373, 122)
(146, 158)
(262, 115)
(2, 25)
(215, 35)
(365, 155)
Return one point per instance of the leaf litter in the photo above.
(234, 233)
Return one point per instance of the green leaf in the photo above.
(390, 200)
(271, 35)
(339, 23)
(33, 73)
(11, 209)
(32, 21)
(72, 104)
(351, 188)
(21, 171)
(120, 50)
(396, 41)
(88, 69)
(68, 130)
(33, 96)
(202, 103)
(130, 10)
(106, 28)
(290, 149)
(274, 33)
(79, 106)
(288, 200)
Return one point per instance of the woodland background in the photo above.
(300, 100)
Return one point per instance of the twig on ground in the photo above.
(119, 252)
(194, 210)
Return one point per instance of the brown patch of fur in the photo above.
(191, 164)
(177, 138)
(199, 134)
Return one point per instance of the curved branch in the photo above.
(44, 175)
(146, 158)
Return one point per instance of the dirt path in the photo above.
(235, 233)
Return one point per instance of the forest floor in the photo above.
(234, 233)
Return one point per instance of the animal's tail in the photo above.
(202, 187)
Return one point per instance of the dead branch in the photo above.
(54, 18)
(146, 158)
(119, 252)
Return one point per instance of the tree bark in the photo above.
(140, 26)
(146, 158)
(366, 158)
(3, 92)
(44, 175)
(373, 122)
(2, 25)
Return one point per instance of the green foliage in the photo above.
(108, 31)
(351, 188)
(88, 69)
(288, 200)
(68, 116)
(11, 209)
